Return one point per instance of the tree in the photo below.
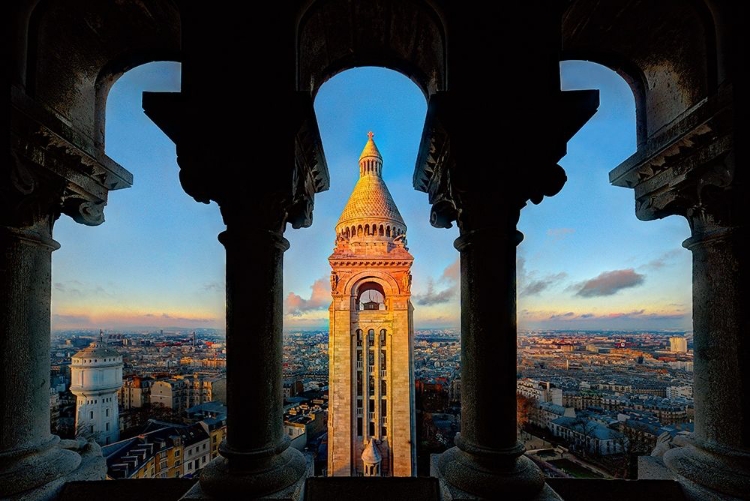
(585, 429)
(524, 408)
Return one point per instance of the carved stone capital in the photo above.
(688, 170)
(225, 174)
(457, 165)
(51, 171)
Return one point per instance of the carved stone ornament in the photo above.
(84, 212)
(225, 176)
(438, 166)
(27, 199)
(49, 174)
(688, 170)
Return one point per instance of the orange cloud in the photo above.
(112, 319)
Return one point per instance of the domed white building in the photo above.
(96, 377)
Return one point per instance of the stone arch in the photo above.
(405, 36)
(388, 284)
(671, 67)
(104, 47)
(109, 75)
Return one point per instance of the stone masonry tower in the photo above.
(371, 428)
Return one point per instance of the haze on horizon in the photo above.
(586, 262)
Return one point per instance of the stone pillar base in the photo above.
(524, 481)
(41, 475)
(710, 472)
(290, 468)
(653, 468)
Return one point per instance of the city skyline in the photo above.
(586, 262)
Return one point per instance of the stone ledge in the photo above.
(164, 489)
(372, 489)
(573, 489)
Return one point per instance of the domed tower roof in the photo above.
(371, 454)
(370, 149)
(370, 201)
(97, 350)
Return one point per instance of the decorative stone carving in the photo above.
(663, 444)
(406, 282)
(688, 170)
(223, 175)
(48, 175)
(437, 165)
(334, 282)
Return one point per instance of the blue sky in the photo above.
(586, 261)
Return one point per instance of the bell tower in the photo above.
(371, 367)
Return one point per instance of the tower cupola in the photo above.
(370, 216)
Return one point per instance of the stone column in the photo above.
(716, 462)
(488, 458)
(704, 185)
(256, 205)
(256, 459)
(454, 168)
(34, 464)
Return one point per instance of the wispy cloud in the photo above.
(65, 320)
(641, 314)
(180, 319)
(320, 299)
(131, 319)
(562, 316)
(77, 289)
(529, 284)
(444, 290)
(615, 319)
(609, 283)
(560, 233)
(665, 259)
(214, 287)
(535, 287)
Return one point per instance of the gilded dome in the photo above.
(370, 200)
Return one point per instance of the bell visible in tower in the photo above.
(374, 300)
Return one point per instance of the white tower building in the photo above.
(96, 377)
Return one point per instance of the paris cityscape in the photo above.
(589, 403)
